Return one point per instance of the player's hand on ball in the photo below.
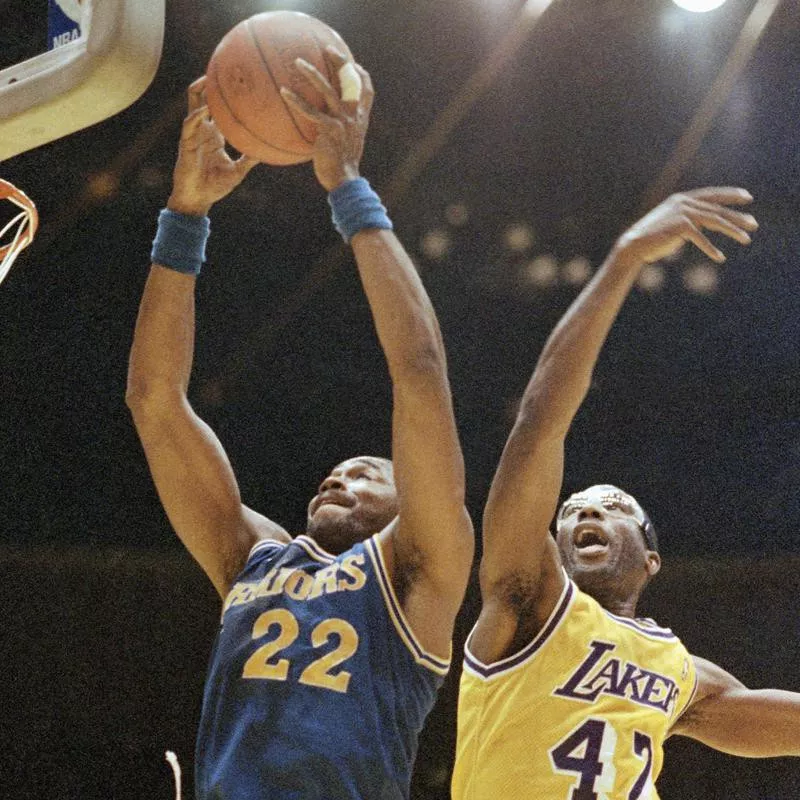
(204, 172)
(342, 126)
(683, 218)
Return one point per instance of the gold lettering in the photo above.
(324, 581)
(350, 569)
(277, 584)
(298, 585)
(264, 585)
(239, 594)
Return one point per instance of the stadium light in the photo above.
(699, 5)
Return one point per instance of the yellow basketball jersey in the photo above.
(580, 713)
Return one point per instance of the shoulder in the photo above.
(514, 626)
(261, 528)
(712, 679)
(256, 529)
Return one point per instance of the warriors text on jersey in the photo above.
(317, 688)
(580, 713)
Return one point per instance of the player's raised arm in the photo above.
(429, 549)
(726, 715)
(190, 469)
(520, 573)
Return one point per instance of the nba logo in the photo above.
(64, 21)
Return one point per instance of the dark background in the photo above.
(693, 407)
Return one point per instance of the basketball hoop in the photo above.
(18, 233)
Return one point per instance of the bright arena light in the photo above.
(699, 5)
(518, 237)
(702, 278)
(436, 244)
(651, 279)
(576, 271)
(542, 271)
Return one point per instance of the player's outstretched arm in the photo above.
(431, 545)
(520, 559)
(191, 472)
(726, 715)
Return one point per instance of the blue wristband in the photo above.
(180, 242)
(355, 206)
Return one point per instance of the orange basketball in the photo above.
(245, 74)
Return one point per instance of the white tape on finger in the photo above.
(350, 81)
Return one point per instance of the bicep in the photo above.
(198, 491)
(726, 715)
(520, 507)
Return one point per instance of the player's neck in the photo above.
(613, 602)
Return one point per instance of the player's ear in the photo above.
(653, 564)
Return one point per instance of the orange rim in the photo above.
(10, 192)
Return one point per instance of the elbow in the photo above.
(549, 408)
(426, 363)
(152, 400)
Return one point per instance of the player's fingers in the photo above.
(367, 89)
(691, 233)
(196, 93)
(722, 195)
(316, 79)
(335, 57)
(717, 223)
(244, 164)
(194, 121)
(742, 220)
(302, 106)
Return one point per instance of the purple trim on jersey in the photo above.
(487, 671)
(638, 625)
(396, 613)
(313, 549)
(689, 700)
(264, 544)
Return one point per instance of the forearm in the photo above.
(404, 318)
(163, 343)
(563, 373)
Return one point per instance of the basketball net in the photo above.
(18, 232)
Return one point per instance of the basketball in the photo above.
(246, 72)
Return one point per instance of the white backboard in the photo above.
(99, 70)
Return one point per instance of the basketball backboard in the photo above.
(97, 57)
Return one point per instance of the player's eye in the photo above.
(618, 505)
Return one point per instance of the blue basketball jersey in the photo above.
(317, 687)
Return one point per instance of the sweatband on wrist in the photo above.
(355, 206)
(180, 242)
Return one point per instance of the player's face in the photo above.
(601, 542)
(357, 499)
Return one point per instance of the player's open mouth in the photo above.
(590, 540)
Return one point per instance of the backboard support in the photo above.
(83, 81)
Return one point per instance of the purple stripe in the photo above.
(531, 648)
(264, 544)
(307, 543)
(660, 633)
(421, 654)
